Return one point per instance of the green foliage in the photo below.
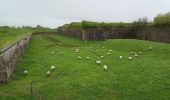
(9, 35)
(140, 23)
(162, 19)
(90, 24)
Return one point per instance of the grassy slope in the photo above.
(9, 36)
(143, 78)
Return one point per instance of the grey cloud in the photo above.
(53, 13)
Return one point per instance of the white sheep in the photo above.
(87, 58)
(131, 52)
(52, 68)
(98, 62)
(136, 55)
(48, 73)
(130, 58)
(120, 57)
(61, 53)
(108, 53)
(105, 68)
(102, 57)
(150, 48)
(77, 50)
(52, 52)
(79, 57)
(103, 47)
(110, 50)
(140, 53)
(25, 72)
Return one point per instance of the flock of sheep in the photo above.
(105, 67)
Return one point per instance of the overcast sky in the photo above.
(53, 13)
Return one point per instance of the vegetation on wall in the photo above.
(9, 35)
(89, 24)
(162, 19)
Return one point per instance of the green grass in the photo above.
(9, 36)
(144, 78)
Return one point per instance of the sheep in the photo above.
(150, 48)
(110, 50)
(98, 62)
(52, 52)
(131, 52)
(130, 58)
(140, 53)
(136, 55)
(77, 50)
(78, 57)
(103, 47)
(25, 72)
(61, 53)
(102, 57)
(48, 73)
(52, 68)
(108, 53)
(120, 57)
(105, 68)
(87, 58)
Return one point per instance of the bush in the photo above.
(162, 19)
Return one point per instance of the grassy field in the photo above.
(9, 36)
(146, 77)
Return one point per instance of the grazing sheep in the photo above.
(87, 58)
(108, 53)
(102, 57)
(48, 73)
(61, 53)
(25, 72)
(136, 55)
(78, 57)
(150, 48)
(52, 52)
(131, 52)
(77, 50)
(98, 62)
(130, 58)
(120, 57)
(103, 47)
(105, 68)
(52, 68)
(110, 50)
(140, 53)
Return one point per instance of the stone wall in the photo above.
(151, 34)
(154, 34)
(9, 57)
(97, 33)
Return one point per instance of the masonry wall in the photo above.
(9, 57)
(151, 34)
(154, 34)
(97, 33)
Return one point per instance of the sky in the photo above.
(54, 13)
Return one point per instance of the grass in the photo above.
(144, 78)
(11, 35)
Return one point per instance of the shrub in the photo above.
(162, 19)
